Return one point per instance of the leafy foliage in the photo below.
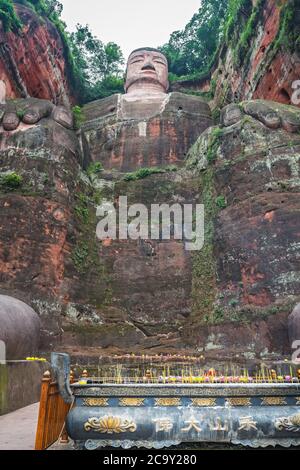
(99, 63)
(192, 50)
(95, 168)
(221, 202)
(289, 31)
(234, 7)
(142, 173)
(79, 117)
(243, 48)
(11, 181)
(8, 16)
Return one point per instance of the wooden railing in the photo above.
(52, 415)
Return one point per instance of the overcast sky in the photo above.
(130, 23)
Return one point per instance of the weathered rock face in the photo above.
(87, 293)
(19, 328)
(32, 62)
(251, 177)
(153, 279)
(133, 295)
(294, 325)
(269, 66)
(39, 176)
(125, 133)
(258, 60)
(230, 299)
(147, 283)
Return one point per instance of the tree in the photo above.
(191, 50)
(54, 7)
(99, 63)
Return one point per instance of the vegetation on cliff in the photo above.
(94, 68)
(99, 64)
(8, 16)
(191, 51)
(230, 25)
(289, 33)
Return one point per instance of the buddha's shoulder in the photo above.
(176, 101)
(188, 103)
(101, 108)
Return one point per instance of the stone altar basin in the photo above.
(164, 415)
(158, 415)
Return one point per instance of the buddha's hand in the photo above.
(30, 111)
(273, 115)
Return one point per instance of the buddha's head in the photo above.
(147, 71)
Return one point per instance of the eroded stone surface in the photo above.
(142, 296)
(252, 171)
(268, 71)
(294, 326)
(19, 328)
(33, 63)
(125, 133)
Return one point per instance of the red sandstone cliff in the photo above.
(32, 62)
(269, 71)
(268, 66)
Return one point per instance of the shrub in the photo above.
(11, 181)
(142, 173)
(94, 168)
(221, 202)
(79, 117)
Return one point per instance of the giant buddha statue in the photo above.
(146, 126)
(135, 295)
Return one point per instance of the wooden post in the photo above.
(39, 442)
(52, 414)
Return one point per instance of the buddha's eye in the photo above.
(159, 62)
(136, 61)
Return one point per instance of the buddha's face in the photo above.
(145, 68)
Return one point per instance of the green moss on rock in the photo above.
(204, 264)
(213, 144)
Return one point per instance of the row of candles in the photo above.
(210, 376)
(263, 376)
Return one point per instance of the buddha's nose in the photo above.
(148, 66)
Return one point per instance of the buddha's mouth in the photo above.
(148, 71)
